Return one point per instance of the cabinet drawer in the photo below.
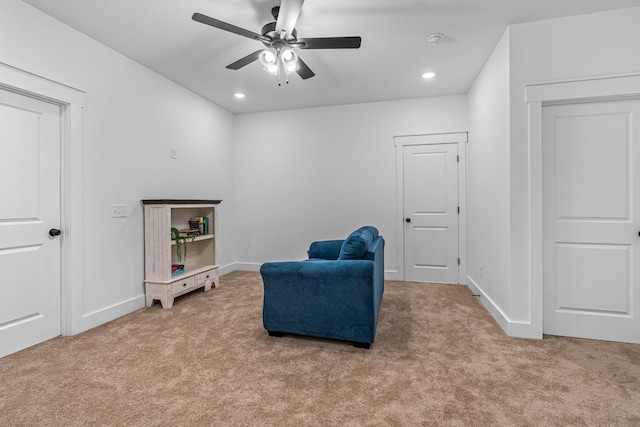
(202, 278)
(184, 284)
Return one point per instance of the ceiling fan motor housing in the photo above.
(269, 31)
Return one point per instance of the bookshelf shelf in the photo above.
(160, 251)
(196, 239)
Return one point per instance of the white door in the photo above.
(29, 208)
(591, 220)
(431, 213)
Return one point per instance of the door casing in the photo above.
(402, 141)
(536, 96)
(71, 102)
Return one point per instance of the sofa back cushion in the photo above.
(357, 243)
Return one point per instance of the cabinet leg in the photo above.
(167, 298)
(167, 302)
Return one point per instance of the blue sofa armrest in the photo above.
(330, 299)
(325, 249)
(376, 254)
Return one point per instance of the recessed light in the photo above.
(239, 95)
(429, 75)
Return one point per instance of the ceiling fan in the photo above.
(280, 37)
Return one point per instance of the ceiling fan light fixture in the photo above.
(269, 60)
(288, 55)
(290, 68)
(289, 59)
(268, 57)
(272, 68)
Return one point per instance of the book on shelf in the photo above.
(202, 224)
(194, 223)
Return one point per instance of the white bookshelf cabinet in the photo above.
(200, 262)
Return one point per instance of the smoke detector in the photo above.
(435, 39)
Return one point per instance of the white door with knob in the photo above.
(591, 220)
(29, 221)
(431, 252)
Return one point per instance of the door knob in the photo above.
(408, 220)
(54, 232)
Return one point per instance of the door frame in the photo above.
(401, 141)
(72, 103)
(537, 96)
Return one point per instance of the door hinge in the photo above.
(458, 158)
(458, 209)
(458, 261)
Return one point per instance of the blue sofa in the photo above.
(334, 294)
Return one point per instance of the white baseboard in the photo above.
(239, 266)
(511, 328)
(103, 315)
(107, 314)
(392, 275)
(524, 330)
(254, 266)
(491, 307)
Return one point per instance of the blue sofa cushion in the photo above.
(325, 249)
(357, 243)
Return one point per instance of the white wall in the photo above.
(488, 172)
(319, 173)
(578, 47)
(132, 118)
(561, 49)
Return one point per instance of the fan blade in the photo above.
(288, 16)
(303, 70)
(330, 43)
(245, 61)
(204, 19)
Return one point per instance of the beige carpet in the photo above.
(438, 359)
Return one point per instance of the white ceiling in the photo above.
(394, 53)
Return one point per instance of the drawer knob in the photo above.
(184, 284)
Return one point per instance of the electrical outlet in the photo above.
(481, 271)
(118, 211)
(174, 153)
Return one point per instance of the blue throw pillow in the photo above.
(357, 243)
(372, 229)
